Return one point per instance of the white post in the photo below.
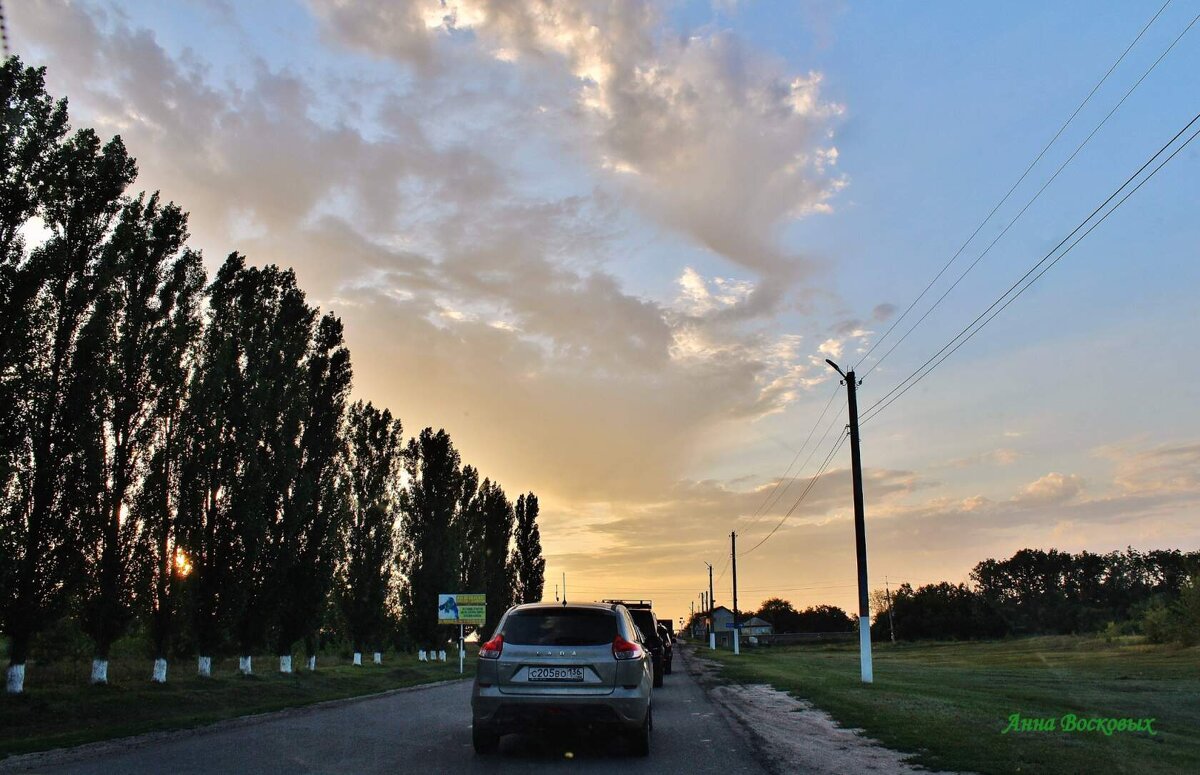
(246, 665)
(358, 658)
(378, 658)
(864, 648)
(99, 671)
(160, 671)
(285, 664)
(736, 641)
(204, 667)
(461, 650)
(16, 679)
(712, 641)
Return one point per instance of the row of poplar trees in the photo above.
(180, 453)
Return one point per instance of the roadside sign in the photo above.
(462, 609)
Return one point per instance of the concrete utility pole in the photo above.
(733, 558)
(860, 533)
(712, 636)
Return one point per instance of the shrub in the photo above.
(1157, 624)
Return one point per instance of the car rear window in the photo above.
(560, 627)
(646, 622)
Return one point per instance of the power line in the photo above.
(807, 489)
(1013, 188)
(757, 516)
(816, 446)
(1035, 197)
(1000, 303)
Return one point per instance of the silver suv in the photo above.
(582, 666)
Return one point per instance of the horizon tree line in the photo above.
(180, 453)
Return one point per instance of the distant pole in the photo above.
(860, 532)
(733, 557)
(891, 619)
(564, 588)
(708, 621)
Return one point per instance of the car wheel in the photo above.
(658, 675)
(485, 740)
(640, 740)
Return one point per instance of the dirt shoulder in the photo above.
(793, 736)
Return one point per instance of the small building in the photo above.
(721, 619)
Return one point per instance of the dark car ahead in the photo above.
(668, 648)
(581, 666)
(647, 622)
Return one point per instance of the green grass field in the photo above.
(60, 708)
(949, 702)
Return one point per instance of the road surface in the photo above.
(429, 730)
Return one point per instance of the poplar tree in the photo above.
(81, 193)
(147, 287)
(497, 569)
(529, 567)
(427, 558)
(374, 458)
(306, 535)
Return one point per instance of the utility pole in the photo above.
(887, 593)
(733, 558)
(712, 636)
(860, 533)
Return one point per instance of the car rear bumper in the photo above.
(502, 713)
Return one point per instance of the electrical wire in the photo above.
(1000, 303)
(762, 512)
(1033, 199)
(803, 495)
(1013, 188)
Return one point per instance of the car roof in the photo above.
(558, 606)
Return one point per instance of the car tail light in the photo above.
(492, 649)
(623, 649)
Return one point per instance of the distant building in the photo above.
(751, 626)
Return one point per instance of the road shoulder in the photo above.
(792, 735)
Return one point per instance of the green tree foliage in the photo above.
(822, 618)
(79, 182)
(306, 535)
(428, 558)
(498, 582)
(529, 567)
(128, 354)
(374, 458)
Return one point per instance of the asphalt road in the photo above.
(429, 730)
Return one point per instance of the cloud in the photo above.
(718, 141)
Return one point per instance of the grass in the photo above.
(60, 708)
(948, 703)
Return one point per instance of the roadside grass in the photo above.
(60, 708)
(948, 703)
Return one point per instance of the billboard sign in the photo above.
(461, 609)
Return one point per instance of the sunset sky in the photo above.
(608, 246)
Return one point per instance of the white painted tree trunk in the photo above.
(378, 658)
(204, 667)
(246, 665)
(358, 658)
(16, 679)
(99, 671)
(285, 664)
(421, 655)
(312, 664)
(160, 671)
(442, 655)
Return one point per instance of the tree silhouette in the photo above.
(374, 456)
(529, 567)
(428, 559)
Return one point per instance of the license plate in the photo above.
(556, 674)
